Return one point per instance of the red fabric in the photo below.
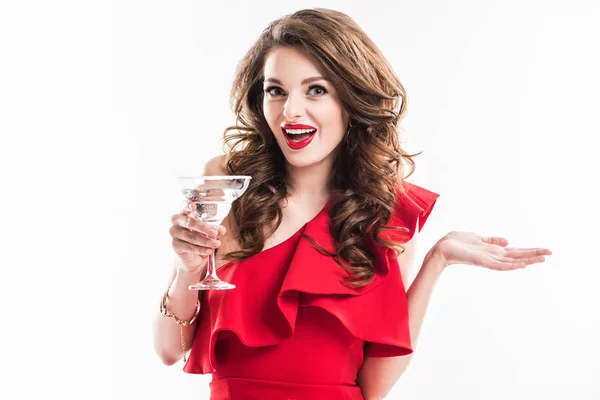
(291, 329)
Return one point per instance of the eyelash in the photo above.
(268, 90)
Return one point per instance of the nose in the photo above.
(294, 107)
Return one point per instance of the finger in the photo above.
(532, 260)
(499, 241)
(193, 237)
(176, 218)
(197, 238)
(193, 224)
(185, 221)
(523, 261)
(182, 247)
(180, 220)
(524, 253)
(525, 258)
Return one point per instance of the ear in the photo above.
(345, 117)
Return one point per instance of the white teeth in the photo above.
(299, 131)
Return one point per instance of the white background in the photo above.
(102, 105)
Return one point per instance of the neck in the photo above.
(310, 182)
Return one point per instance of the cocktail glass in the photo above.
(213, 196)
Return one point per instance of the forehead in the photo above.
(290, 65)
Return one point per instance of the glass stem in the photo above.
(212, 263)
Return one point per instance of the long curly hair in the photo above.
(366, 169)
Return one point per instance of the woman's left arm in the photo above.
(379, 374)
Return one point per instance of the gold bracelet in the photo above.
(165, 313)
(181, 323)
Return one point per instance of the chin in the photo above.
(304, 160)
(301, 162)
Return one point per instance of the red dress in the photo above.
(291, 330)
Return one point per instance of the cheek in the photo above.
(332, 117)
(270, 112)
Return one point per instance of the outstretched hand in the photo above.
(488, 252)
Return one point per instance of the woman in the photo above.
(320, 241)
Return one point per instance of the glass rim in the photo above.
(215, 177)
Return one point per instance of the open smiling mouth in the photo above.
(298, 135)
(297, 139)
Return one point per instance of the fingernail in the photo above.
(213, 232)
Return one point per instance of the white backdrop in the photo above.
(102, 105)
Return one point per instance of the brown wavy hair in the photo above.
(370, 159)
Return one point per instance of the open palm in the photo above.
(488, 252)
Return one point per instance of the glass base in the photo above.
(210, 283)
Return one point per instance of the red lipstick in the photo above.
(297, 126)
(297, 144)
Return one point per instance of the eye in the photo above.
(318, 88)
(270, 89)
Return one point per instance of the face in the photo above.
(302, 108)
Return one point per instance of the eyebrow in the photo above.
(304, 82)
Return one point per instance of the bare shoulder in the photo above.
(215, 166)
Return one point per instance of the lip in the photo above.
(297, 145)
(297, 126)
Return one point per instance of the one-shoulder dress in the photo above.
(291, 330)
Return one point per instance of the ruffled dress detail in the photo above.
(291, 329)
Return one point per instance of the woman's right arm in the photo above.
(181, 302)
(192, 242)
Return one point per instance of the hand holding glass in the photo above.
(213, 196)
